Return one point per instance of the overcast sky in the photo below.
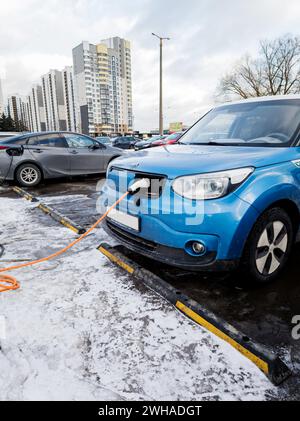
(207, 37)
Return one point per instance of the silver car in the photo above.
(32, 157)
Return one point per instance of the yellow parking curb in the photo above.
(51, 212)
(258, 354)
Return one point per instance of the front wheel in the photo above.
(28, 175)
(268, 246)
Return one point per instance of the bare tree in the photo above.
(275, 72)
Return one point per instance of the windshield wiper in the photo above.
(226, 142)
(206, 143)
(216, 143)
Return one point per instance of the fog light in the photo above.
(198, 248)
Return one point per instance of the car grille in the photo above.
(157, 181)
(131, 238)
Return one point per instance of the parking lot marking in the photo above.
(204, 323)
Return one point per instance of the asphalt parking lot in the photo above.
(264, 313)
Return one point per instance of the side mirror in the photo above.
(98, 145)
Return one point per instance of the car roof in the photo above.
(33, 134)
(50, 132)
(261, 99)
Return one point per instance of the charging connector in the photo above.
(143, 183)
(11, 151)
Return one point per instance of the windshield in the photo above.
(265, 123)
(103, 139)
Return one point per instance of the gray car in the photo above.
(30, 158)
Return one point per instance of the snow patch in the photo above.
(79, 329)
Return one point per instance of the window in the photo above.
(124, 139)
(254, 123)
(78, 141)
(50, 140)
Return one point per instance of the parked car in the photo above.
(106, 140)
(147, 143)
(234, 177)
(168, 140)
(124, 142)
(53, 154)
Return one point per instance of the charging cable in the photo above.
(8, 282)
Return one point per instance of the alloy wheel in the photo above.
(29, 175)
(271, 248)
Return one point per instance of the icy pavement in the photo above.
(80, 329)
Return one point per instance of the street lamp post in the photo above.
(161, 120)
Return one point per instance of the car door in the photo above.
(117, 142)
(50, 151)
(86, 154)
(126, 142)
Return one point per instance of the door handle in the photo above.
(37, 151)
(74, 152)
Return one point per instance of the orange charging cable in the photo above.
(8, 282)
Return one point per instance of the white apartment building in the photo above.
(53, 100)
(69, 99)
(36, 109)
(1, 100)
(102, 79)
(119, 53)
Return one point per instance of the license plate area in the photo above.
(125, 219)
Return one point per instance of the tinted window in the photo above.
(103, 139)
(78, 141)
(52, 141)
(125, 139)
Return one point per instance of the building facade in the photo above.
(119, 61)
(36, 109)
(1, 100)
(102, 79)
(69, 99)
(18, 110)
(53, 100)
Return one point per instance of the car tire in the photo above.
(28, 175)
(268, 247)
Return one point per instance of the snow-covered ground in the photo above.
(81, 329)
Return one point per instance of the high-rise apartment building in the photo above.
(1, 100)
(36, 109)
(102, 79)
(53, 99)
(119, 54)
(69, 99)
(18, 110)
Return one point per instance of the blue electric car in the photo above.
(227, 196)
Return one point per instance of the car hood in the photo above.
(176, 160)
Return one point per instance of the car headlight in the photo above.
(210, 185)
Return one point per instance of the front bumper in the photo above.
(169, 224)
(168, 255)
